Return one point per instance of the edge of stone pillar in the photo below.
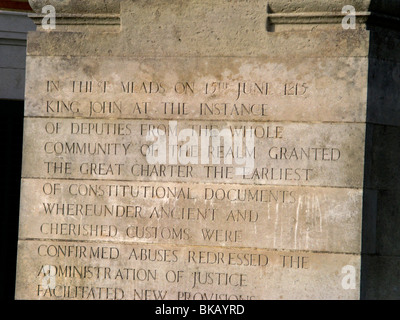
(384, 13)
(76, 15)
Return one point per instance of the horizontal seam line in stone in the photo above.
(185, 246)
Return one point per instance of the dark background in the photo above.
(11, 133)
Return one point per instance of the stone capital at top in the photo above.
(384, 13)
(387, 7)
(76, 7)
(296, 12)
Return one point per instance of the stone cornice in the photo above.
(78, 6)
(80, 13)
(388, 7)
(279, 12)
(299, 12)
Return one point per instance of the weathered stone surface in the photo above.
(100, 271)
(283, 154)
(293, 218)
(313, 89)
(105, 211)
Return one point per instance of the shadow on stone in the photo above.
(380, 275)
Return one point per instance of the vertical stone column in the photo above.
(125, 195)
(381, 238)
